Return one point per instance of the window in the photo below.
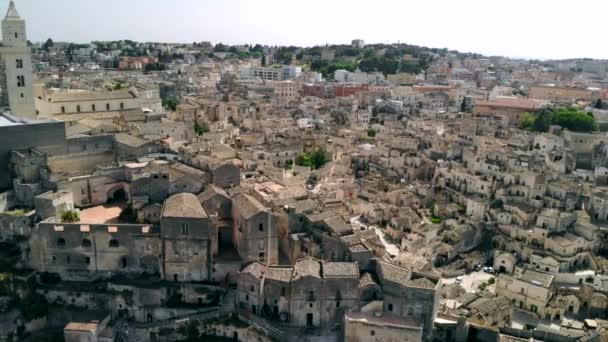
(87, 260)
(283, 291)
(54, 259)
(123, 262)
(93, 108)
(61, 242)
(372, 333)
(63, 109)
(337, 304)
(122, 105)
(251, 288)
(86, 243)
(261, 256)
(107, 106)
(16, 35)
(185, 229)
(261, 227)
(78, 108)
(113, 243)
(19, 81)
(390, 307)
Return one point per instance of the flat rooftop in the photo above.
(107, 213)
(537, 278)
(4, 122)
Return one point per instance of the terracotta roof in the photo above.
(393, 273)
(340, 269)
(211, 191)
(183, 205)
(307, 267)
(129, 140)
(74, 326)
(247, 205)
(255, 269)
(75, 96)
(283, 274)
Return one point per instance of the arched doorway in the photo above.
(117, 195)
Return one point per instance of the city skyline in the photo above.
(469, 26)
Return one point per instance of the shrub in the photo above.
(70, 216)
(435, 219)
(33, 307)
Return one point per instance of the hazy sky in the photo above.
(516, 28)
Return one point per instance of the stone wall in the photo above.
(47, 135)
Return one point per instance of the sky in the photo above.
(544, 29)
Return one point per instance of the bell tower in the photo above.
(17, 91)
(13, 28)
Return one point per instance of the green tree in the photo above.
(34, 306)
(171, 103)
(463, 106)
(219, 47)
(567, 117)
(70, 216)
(315, 160)
(526, 121)
(48, 45)
(382, 64)
(543, 120)
(200, 129)
(574, 119)
(371, 133)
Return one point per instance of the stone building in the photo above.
(311, 293)
(83, 251)
(531, 290)
(377, 327)
(255, 231)
(16, 74)
(408, 294)
(189, 239)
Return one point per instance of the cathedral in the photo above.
(16, 77)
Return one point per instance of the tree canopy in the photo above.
(567, 117)
(316, 159)
(171, 103)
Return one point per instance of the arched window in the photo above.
(113, 243)
(61, 242)
(86, 243)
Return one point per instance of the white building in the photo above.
(345, 76)
(291, 72)
(285, 72)
(16, 78)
